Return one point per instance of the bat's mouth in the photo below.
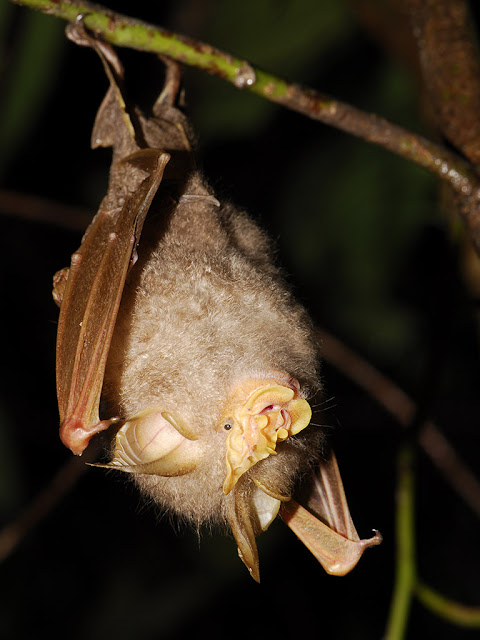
(267, 414)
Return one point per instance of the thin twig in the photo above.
(127, 32)
(42, 505)
(37, 209)
(407, 585)
(399, 405)
(450, 610)
(405, 544)
(52, 493)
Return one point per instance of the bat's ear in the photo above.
(326, 527)
(251, 508)
(239, 516)
(154, 442)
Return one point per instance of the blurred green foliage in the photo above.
(29, 71)
(278, 36)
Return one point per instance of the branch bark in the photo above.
(448, 53)
(48, 498)
(43, 210)
(124, 31)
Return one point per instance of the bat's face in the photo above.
(259, 413)
(257, 416)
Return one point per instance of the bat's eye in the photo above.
(227, 426)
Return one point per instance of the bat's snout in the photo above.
(270, 413)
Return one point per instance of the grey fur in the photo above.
(205, 307)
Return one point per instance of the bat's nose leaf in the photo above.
(271, 413)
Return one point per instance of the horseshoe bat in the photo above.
(185, 347)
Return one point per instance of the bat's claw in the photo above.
(76, 436)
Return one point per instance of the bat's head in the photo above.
(225, 466)
(259, 412)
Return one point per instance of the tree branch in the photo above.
(43, 210)
(448, 54)
(124, 31)
(447, 609)
(48, 498)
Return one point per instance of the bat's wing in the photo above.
(91, 292)
(90, 304)
(326, 527)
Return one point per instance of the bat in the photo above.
(184, 347)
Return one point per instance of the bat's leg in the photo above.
(170, 97)
(171, 87)
(78, 33)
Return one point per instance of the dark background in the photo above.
(370, 251)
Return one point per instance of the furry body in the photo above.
(210, 359)
(205, 307)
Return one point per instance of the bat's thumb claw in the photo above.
(76, 436)
(374, 540)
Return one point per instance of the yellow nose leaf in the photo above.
(282, 434)
(270, 414)
(269, 394)
(262, 422)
